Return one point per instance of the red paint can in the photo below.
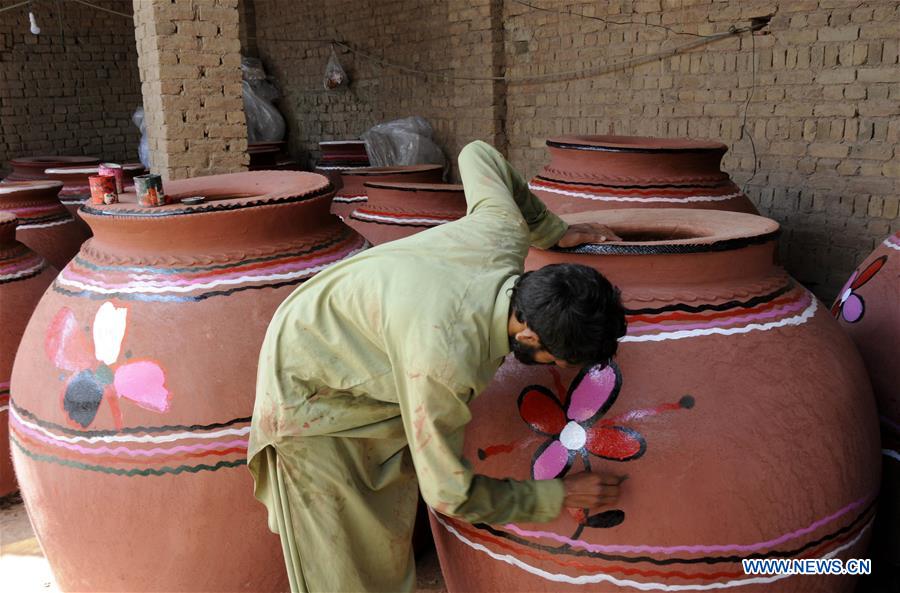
(103, 189)
(115, 170)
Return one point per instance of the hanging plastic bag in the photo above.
(335, 76)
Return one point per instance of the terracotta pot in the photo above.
(738, 409)
(600, 172)
(264, 155)
(32, 168)
(341, 155)
(868, 308)
(353, 192)
(397, 210)
(44, 224)
(76, 190)
(133, 390)
(24, 276)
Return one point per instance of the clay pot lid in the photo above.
(634, 144)
(231, 191)
(399, 170)
(89, 170)
(402, 186)
(675, 230)
(54, 160)
(15, 187)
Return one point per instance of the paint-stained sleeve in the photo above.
(434, 418)
(492, 185)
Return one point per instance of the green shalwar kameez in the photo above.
(364, 381)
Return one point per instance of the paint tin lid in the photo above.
(193, 200)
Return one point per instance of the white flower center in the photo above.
(846, 295)
(573, 436)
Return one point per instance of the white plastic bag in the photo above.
(405, 141)
(144, 146)
(335, 76)
(264, 122)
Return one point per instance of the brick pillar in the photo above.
(189, 59)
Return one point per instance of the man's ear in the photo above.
(528, 337)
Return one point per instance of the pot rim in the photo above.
(339, 142)
(414, 187)
(38, 160)
(681, 231)
(14, 187)
(399, 170)
(245, 190)
(91, 170)
(635, 144)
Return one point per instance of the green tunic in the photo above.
(364, 381)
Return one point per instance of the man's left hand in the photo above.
(587, 232)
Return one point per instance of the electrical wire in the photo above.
(5, 8)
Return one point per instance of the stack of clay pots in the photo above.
(352, 194)
(339, 156)
(32, 168)
(45, 225)
(395, 210)
(736, 406)
(134, 384)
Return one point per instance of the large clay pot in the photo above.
(397, 210)
(738, 409)
(76, 190)
(264, 155)
(601, 172)
(24, 276)
(868, 308)
(133, 390)
(32, 168)
(352, 194)
(341, 155)
(44, 223)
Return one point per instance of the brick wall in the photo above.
(823, 114)
(69, 93)
(444, 37)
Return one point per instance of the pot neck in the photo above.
(19, 193)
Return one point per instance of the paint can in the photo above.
(149, 190)
(115, 170)
(103, 189)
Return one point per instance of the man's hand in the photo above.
(587, 490)
(587, 232)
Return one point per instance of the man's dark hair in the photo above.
(574, 310)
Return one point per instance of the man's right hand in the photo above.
(587, 490)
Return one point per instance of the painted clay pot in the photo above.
(341, 155)
(868, 308)
(32, 168)
(76, 190)
(352, 194)
(133, 389)
(264, 155)
(601, 172)
(44, 223)
(397, 210)
(738, 409)
(24, 276)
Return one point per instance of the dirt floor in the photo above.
(25, 570)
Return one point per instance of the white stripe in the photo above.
(141, 287)
(348, 199)
(128, 438)
(45, 224)
(576, 194)
(19, 274)
(691, 333)
(7, 189)
(891, 244)
(601, 577)
(3, 408)
(367, 216)
(891, 453)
